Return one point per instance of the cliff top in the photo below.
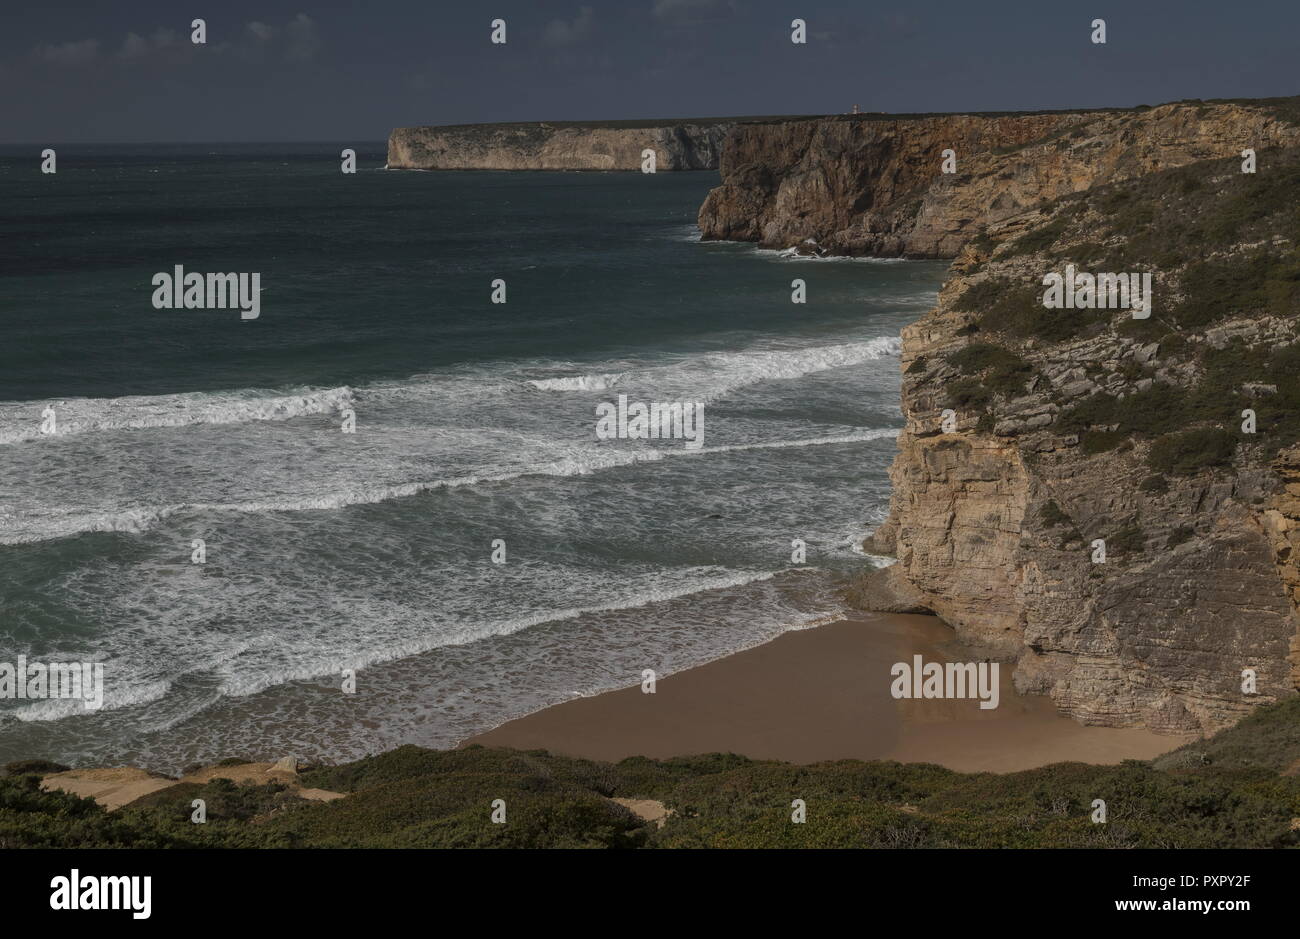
(1288, 107)
(1221, 247)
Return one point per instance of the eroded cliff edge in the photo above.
(1078, 425)
(873, 185)
(1074, 426)
(609, 145)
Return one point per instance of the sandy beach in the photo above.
(823, 694)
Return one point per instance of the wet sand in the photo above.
(823, 694)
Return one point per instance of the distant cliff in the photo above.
(606, 145)
(873, 184)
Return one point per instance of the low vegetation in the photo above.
(1222, 244)
(1232, 790)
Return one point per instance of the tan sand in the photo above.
(111, 788)
(650, 810)
(114, 788)
(823, 694)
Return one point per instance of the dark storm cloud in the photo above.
(338, 70)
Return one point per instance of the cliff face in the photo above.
(873, 186)
(543, 146)
(1078, 425)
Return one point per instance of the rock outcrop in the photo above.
(1073, 429)
(614, 145)
(874, 185)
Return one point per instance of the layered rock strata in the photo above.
(875, 185)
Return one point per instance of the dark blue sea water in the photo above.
(475, 422)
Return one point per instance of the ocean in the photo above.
(473, 551)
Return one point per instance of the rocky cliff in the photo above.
(1171, 442)
(685, 145)
(874, 185)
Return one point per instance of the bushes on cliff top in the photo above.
(1005, 372)
(1052, 515)
(1152, 411)
(1176, 222)
(41, 767)
(32, 818)
(1128, 540)
(1191, 451)
(1217, 398)
(1016, 309)
(1039, 238)
(449, 810)
(1173, 216)
(969, 394)
(1267, 738)
(1258, 282)
(1155, 484)
(979, 356)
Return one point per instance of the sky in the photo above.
(126, 71)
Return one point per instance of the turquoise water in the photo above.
(475, 422)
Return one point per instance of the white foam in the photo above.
(240, 683)
(578, 382)
(21, 421)
(709, 376)
(703, 377)
(240, 678)
(581, 463)
(792, 254)
(53, 709)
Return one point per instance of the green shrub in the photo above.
(1225, 792)
(1039, 238)
(1052, 515)
(969, 393)
(40, 767)
(1017, 310)
(1102, 441)
(1156, 483)
(1128, 540)
(1260, 282)
(1006, 371)
(1185, 453)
